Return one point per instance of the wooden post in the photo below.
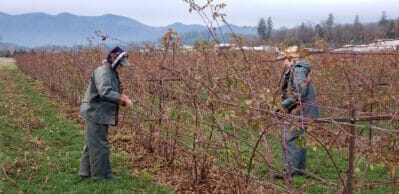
(371, 124)
(351, 151)
(160, 115)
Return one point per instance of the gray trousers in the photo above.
(95, 157)
(295, 148)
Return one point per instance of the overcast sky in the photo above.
(241, 12)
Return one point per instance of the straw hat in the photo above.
(290, 52)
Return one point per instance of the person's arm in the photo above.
(103, 84)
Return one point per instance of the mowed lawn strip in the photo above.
(40, 149)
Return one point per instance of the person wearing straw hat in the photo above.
(299, 98)
(100, 109)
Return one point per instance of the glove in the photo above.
(289, 104)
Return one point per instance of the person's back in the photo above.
(301, 84)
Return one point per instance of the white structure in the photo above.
(224, 46)
(187, 48)
(266, 48)
(260, 48)
(379, 46)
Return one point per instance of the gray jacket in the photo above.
(299, 91)
(101, 101)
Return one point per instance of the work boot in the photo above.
(114, 178)
(280, 176)
(82, 178)
(285, 175)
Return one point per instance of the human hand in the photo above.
(128, 103)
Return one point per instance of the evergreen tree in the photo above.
(383, 23)
(397, 28)
(269, 28)
(357, 22)
(357, 32)
(262, 29)
(330, 20)
(390, 29)
(330, 23)
(319, 31)
(383, 20)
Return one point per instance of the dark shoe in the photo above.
(298, 173)
(285, 175)
(114, 178)
(301, 173)
(82, 178)
(280, 176)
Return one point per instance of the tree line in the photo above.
(329, 33)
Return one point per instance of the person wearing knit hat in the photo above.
(118, 52)
(100, 109)
(299, 96)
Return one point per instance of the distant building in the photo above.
(379, 46)
(265, 48)
(187, 48)
(224, 46)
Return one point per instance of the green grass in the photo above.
(328, 172)
(316, 158)
(40, 149)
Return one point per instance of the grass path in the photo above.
(40, 149)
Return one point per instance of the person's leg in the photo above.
(99, 146)
(286, 132)
(295, 149)
(84, 169)
(302, 158)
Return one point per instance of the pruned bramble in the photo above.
(218, 112)
(210, 114)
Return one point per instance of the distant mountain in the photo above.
(183, 28)
(65, 29)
